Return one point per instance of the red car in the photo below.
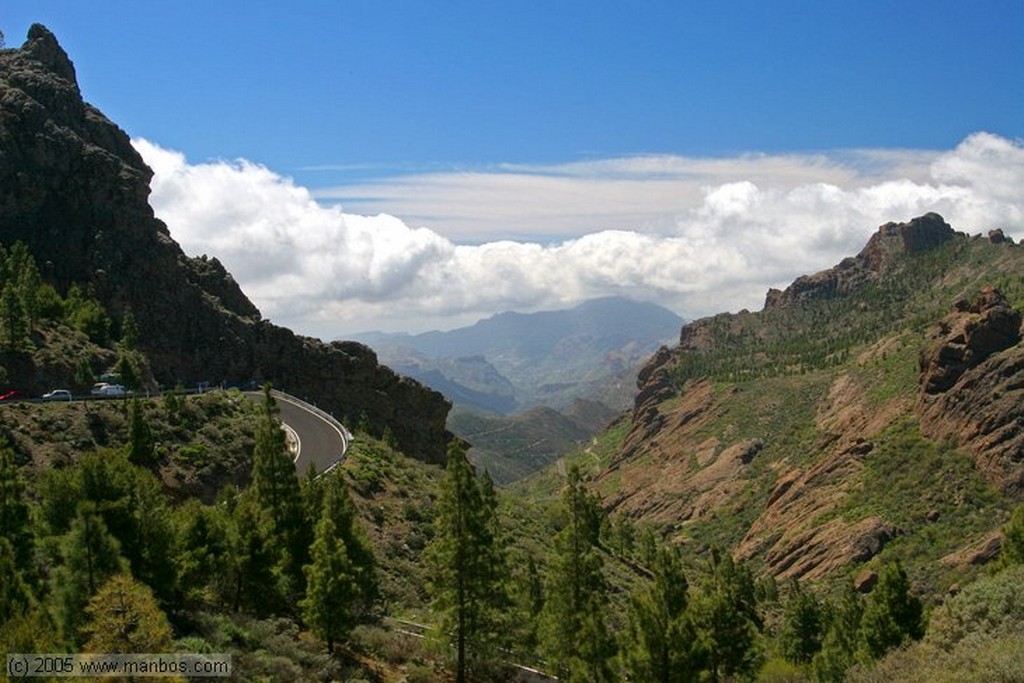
(9, 395)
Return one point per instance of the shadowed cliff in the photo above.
(74, 190)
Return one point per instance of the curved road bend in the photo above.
(318, 441)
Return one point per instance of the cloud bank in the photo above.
(697, 235)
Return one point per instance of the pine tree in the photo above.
(151, 553)
(130, 502)
(14, 514)
(527, 598)
(12, 314)
(467, 591)
(15, 595)
(249, 579)
(661, 644)
(575, 636)
(141, 448)
(128, 369)
(1012, 550)
(91, 556)
(337, 504)
(839, 645)
(727, 618)
(800, 638)
(275, 489)
(331, 589)
(892, 615)
(129, 330)
(29, 282)
(124, 617)
(202, 548)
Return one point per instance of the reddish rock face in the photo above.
(975, 330)
(972, 387)
(684, 461)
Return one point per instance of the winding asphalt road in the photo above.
(319, 440)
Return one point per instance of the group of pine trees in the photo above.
(715, 632)
(25, 300)
(100, 543)
(99, 561)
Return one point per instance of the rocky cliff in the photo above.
(76, 192)
(873, 407)
(888, 246)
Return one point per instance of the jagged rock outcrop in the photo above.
(76, 192)
(972, 386)
(976, 329)
(891, 242)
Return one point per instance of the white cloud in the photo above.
(698, 235)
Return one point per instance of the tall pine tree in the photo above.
(141, 448)
(574, 632)
(275, 489)
(249, 580)
(331, 589)
(800, 638)
(14, 517)
(727, 618)
(337, 504)
(202, 550)
(468, 592)
(661, 643)
(91, 555)
(892, 615)
(15, 324)
(840, 642)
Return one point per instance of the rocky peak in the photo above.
(43, 47)
(897, 240)
(892, 242)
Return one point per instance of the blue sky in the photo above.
(398, 85)
(546, 125)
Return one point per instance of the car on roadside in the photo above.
(57, 395)
(8, 395)
(109, 390)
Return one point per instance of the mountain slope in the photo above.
(74, 190)
(513, 447)
(870, 410)
(545, 358)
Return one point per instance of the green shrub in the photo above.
(991, 606)
(979, 659)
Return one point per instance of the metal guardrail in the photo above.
(346, 436)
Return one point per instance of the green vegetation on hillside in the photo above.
(829, 332)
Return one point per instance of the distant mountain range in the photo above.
(515, 361)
